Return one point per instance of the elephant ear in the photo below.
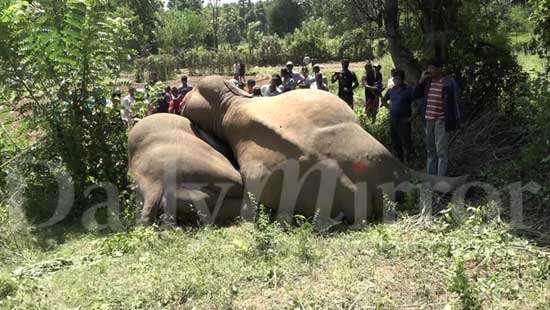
(235, 90)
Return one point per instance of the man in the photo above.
(317, 70)
(184, 88)
(164, 100)
(391, 83)
(319, 83)
(250, 86)
(295, 76)
(305, 79)
(127, 103)
(401, 98)
(347, 82)
(287, 82)
(372, 91)
(175, 103)
(272, 89)
(442, 111)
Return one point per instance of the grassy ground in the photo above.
(449, 264)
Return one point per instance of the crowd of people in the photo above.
(440, 104)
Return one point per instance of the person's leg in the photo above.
(406, 140)
(348, 98)
(396, 138)
(442, 147)
(431, 165)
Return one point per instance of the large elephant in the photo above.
(179, 173)
(302, 152)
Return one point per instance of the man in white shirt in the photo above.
(272, 89)
(127, 103)
(391, 83)
(294, 75)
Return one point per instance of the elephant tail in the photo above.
(437, 183)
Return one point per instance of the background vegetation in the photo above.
(60, 60)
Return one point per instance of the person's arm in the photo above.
(385, 100)
(335, 77)
(418, 91)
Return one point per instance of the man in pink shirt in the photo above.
(442, 110)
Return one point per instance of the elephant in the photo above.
(303, 152)
(181, 170)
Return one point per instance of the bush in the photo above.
(7, 287)
(310, 39)
(164, 65)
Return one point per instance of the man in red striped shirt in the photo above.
(442, 110)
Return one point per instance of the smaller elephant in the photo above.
(180, 174)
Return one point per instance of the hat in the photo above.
(316, 66)
(289, 63)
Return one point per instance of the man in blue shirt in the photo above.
(184, 88)
(400, 97)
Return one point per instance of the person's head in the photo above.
(377, 67)
(316, 68)
(250, 83)
(345, 64)
(184, 79)
(285, 73)
(398, 77)
(175, 91)
(435, 67)
(132, 91)
(154, 77)
(305, 71)
(167, 89)
(392, 72)
(368, 66)
(276, 80)
(289, 66)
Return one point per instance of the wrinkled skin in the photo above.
(166, 157)
(311, 129)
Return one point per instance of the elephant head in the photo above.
(209, 101)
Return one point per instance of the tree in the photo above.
(230, 25)
(59, 56)
(284, 16)
(214, 12)
(146, 22)
(541, 20)
(193, 5)
(180, 30)
(253, 36)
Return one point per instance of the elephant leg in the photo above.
(230, 210)
(377, 205)
(152, 194)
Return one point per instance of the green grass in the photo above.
(460, 263)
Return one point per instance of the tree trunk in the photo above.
(437, 15)
(402, 56)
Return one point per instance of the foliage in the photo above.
(193, 5)
(284, 16)
(209, 267)
(541, 19)
(310, 39)
(7, 287)
(180, 30)
(60, 57)
(143, 23)
(163, 65)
